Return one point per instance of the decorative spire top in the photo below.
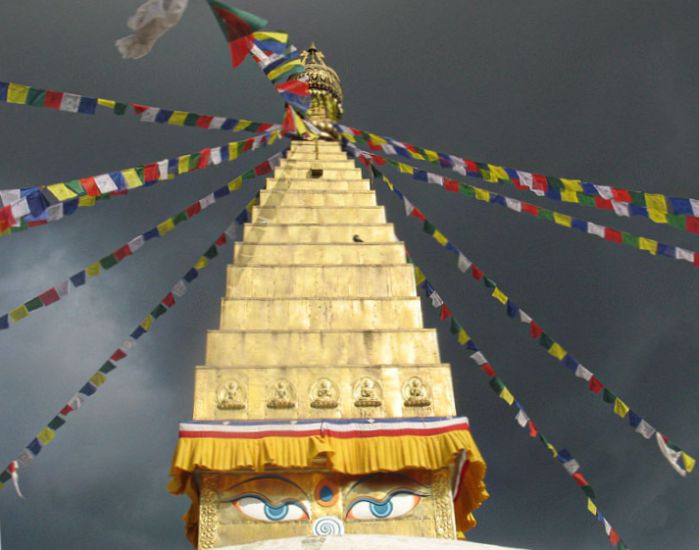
(326, 89)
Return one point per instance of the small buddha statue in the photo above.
(324, 394)
(282, 396)
(230, 397)
(367, 393)
(415, 393)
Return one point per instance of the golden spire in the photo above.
(326, 90)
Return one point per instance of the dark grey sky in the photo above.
(605, 91)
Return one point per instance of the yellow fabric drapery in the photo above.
(346, 455)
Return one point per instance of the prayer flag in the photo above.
(237, 26)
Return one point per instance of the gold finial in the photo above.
(326, 90)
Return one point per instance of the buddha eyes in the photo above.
(394, 505)
(259, 508)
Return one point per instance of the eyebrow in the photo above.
(392, 475)
(272, 477)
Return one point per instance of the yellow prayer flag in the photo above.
(689, 462)
(591, 507)
(349, 137)
(98, 379)
(93, 270)
(86, 201)
(432, 156)
(236, 184)
(657, 216)
(656, 201)
(264, 35)
(388, 182)
(463, 337)
(377, 140)
(46, 436)
(499, 295)
(272, 75)
(416, 155)
(233, 150)
(178, 118)
(572, 185)
(17, 93)
(201, 263)
(482, 194)
(562, 219)
(19, 313)
(557, 351)
(620, 408)
(274, 136)
(649, 245)
(241, 125)
(61, 191)
(165, 227)
(109, 103)
(569, 196)
(131, 178)
(498, 172)
(439, 237)
(405, 168)
(183, 164)
(147, 323)
(489, 175)
(506, 396)
(419, 276)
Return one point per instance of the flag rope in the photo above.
(33, 206)
(54, 294)
(680, 461)
(497, 384)
(22, 94)
(678, 212)
(609, 234)
(48, 433)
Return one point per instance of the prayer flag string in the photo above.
(48, 433)
(681, 461)
(639, 242)
(56, 293)
(497, 384)
(678, 212)
(22, 94)
(33, 206)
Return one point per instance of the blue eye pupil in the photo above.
(382, 510)
(276, 513)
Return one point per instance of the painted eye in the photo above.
(393, 506)
(259, 508)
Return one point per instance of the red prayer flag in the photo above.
(530, 208)
(533, 432)
(620, 195)
(169, 300)
(193, 209)
(262, 169)
(237, 25)
(7, 219)
(595, 385)
(445, 312)
(417, 213)
(378, 160)
(476, 273)
(539, 182)
(139, 109)
(122, 252)
(49, 297)
(470, 166)
(53, 99)
(604, 204)
(612, 235)
(451, 185)
(696, 259)
(613, 537)
(221, 239)
(204, 121)
(90, 187)
(151, 172)
(580, 479)
(118, 355)
(488, 369)
(692, 224)
(535, 330)
(65, 411)
(296, 87)
(204, 157)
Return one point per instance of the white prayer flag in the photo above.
(436, 299)
(645, 429)
(105, 183)
(582, 372)
(8, 196)
(458, 165)
(513, 204)
(672, 456)
(463, 263)
(408, 206)
(207, 201)
(435, 179)
(180, 289)
(571, 466)
(621, 208)
(70, 103)
(524, 318)
(594, 229)
(479, 358)
(388, 149)
(216, 156)
(522, 418)
(150, 114)
(63, 288)
(217, 122)
(163, 167)
(604, 191)
(683, 254)
(136, 243)
(231, 231)
(54, 212)
(525, 178)
(695, 206)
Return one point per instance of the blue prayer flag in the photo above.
(87, 105)
(78, 279)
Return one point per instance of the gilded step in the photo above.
(315, 348)
(320, 281)
(309, 214)
(340, 174)
(321, 313)
(318, 233)
(301, 184)
(319, 254)
(303, 197)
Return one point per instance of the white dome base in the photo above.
(363, 542)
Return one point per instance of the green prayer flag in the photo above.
(608, 396)
(250, 174)
(76, 187)
(109, 261)
(628, 238)
(120, 108)
(5, 476)
(488, 282)
(191, 119)
(586, 200)
(36, 97)
(428, 228)
(589, 491)
(638, 198)
(211, 252)
(107, 367)
(545, 340)
(675, 220)
(194, 161)
(467, 190)
(545, 214)
(56, 422)
(555, 183)
(158, 311)
(33, 304)
(496, 384)
(253, 127)
(180, 217)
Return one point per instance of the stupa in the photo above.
(323, 408)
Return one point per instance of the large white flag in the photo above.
(151, 20)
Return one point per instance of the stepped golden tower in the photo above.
(323, 407)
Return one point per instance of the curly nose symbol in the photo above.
(328, 526)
